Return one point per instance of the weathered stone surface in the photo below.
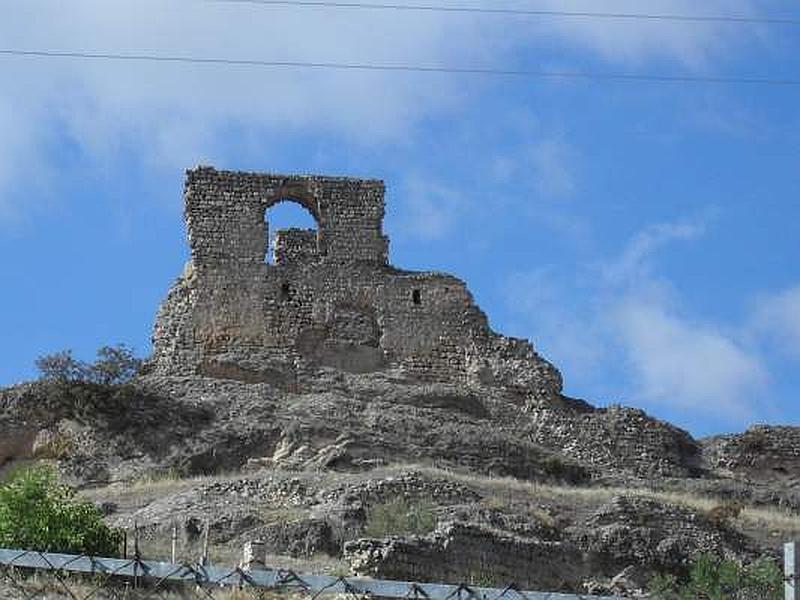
(329, 298)
(761, 452)
(625, 584)
(473, 554)
(655, 536)
(521, 525)
(17, 444)
(297, 538)
(618, 438)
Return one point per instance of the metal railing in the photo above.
(136, 578)
(129, 578)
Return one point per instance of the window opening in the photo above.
(416, 297)
(285, 214)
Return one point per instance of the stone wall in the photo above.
(295, 245)
(615, 438)
(329, 298)
(470, 554)
(761, 452)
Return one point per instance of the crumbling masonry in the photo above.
(329, 298)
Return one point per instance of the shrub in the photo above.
(722, 514)
(60, 367)
(115, 365)
(400, 517)
(39, 513)
(717, 578)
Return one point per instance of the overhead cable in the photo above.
(402, 68)
(522, 12)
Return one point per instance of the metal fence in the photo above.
(115, 578)
(79, 577)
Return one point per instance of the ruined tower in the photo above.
(328, 300)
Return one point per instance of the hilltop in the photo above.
(315, 398)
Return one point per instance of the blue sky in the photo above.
(644, 236)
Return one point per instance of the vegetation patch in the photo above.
(716, 578)
(400, 517)
(39, 513)
(115, 365)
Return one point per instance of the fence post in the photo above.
(204, 555)
(136, 555)
(174, 541)
(252, 555)
(791, 571)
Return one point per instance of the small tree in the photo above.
(60, 367)
(39, 513)
(114, 365)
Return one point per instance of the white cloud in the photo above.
(674, 359)
(533, 155)
(619, 315)
(693, 365)
(777, 317)
(622, 40)
(23, 157)
(169, 115)
(633, 265)
(431, 209)
(556, 320)
(553, 161)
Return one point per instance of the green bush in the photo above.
(39, 513)
(716, 578)
(115, 365)
(400, 517)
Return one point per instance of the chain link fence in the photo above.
(30, 575)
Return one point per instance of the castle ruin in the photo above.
(328, 300)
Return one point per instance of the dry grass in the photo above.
(502, 490)
(153, 486)
(507, 490)
(281, 514)
(498, 492)
(778, 523)
(159, 548)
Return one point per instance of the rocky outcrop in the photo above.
(616, 438)
(655, 536)
(762, 452)
(473, 554)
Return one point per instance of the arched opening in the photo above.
(292, 232)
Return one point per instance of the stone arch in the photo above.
(300, 194)
(293, 243)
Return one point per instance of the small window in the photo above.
(416, 297)
(286, 292)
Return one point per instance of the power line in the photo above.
(405, 68)
(738, 19)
